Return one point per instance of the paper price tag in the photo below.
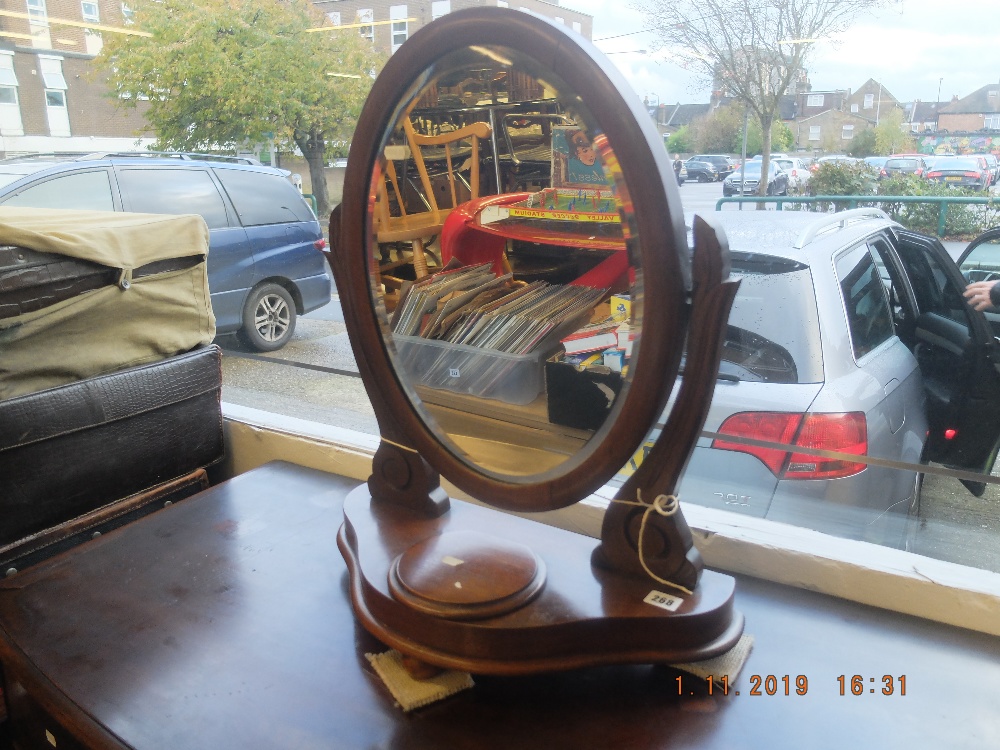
(668, 602)
(454, 372)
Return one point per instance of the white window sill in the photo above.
(858, 571)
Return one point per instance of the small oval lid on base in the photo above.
(466, 575)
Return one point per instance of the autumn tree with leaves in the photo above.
(219, 74)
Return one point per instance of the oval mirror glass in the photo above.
(506, 293)
(509, 237)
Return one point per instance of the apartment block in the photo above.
(52, 98)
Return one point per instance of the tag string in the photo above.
(665, 505)
(384, 439)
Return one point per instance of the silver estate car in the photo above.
(848, 335)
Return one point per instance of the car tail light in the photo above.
(977, 175)
(933, 174)
(840, 432)
(883, 173)
(320, 244)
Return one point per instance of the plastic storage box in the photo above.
(471, 370)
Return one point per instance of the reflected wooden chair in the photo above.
(394, 224)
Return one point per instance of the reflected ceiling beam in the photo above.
(359, 25)
(50, 21)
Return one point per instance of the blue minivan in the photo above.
(265, 260)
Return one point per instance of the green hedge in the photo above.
(833, 178)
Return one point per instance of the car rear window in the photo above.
(955, 164)
(263, 198)
(901, 164)
(773, 332)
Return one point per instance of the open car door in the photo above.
(957, 354)
(981, 262)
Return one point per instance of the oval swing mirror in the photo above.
(504, 196)
(505, 206)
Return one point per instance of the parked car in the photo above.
(848, 334)
(993, 164)
(702, 171)
(777, 180)
(265, 265)
(960, 171)
(795, 168)
(899, 165)
(876, 162)
(722, 163)
(985, 164)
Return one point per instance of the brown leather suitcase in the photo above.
(30, 280)
(68, 451)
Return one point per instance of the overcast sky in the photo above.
(910, 47)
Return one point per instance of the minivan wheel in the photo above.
(268, 318)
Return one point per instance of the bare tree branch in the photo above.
(751, 50)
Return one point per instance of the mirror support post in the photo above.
(399, 473)
(668, 551)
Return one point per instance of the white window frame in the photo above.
(815, 100)
(914, 127)
(847, 132)
(399, 29)
(814, 132)
(440, 8)
(869, 101)
(991, 122)
(128, 14)
(577, 27)
(95, 15)
(58, 115)
(854, 108)
(334, 17)
(502, 4)
(367, 16)
(51, 72)
(38, 24)
(50, 68)
(37, 12)
(10, 112)
(7, 75)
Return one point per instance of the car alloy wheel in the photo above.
(268, 318)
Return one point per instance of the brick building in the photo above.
(51, 96)
(872, 101)
(979, 111)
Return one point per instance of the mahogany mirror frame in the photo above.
(658, 221)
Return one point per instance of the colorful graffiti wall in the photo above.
(959, 144)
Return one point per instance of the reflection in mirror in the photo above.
(982, 263)
(500, 273)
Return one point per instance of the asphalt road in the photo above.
(954, 525)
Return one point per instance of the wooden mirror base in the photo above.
(511, 612)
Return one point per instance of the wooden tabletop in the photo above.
(223, 622)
